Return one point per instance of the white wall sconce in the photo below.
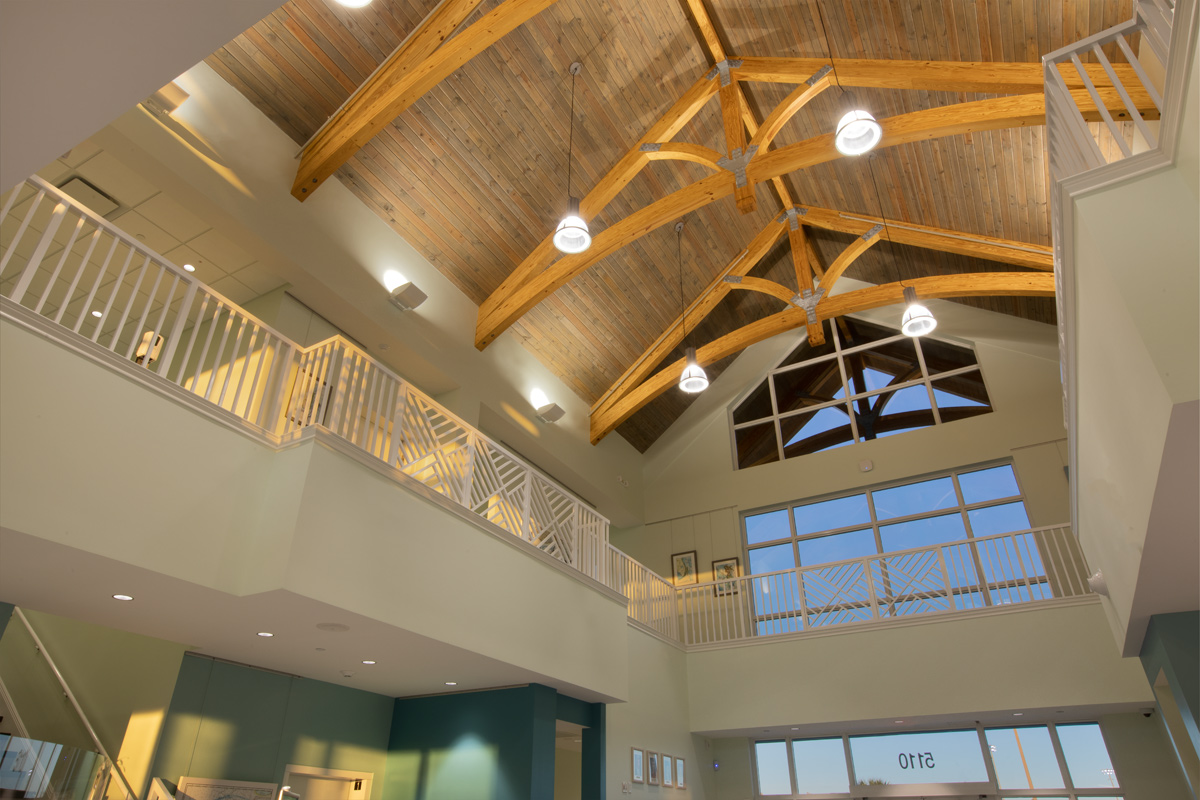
(546, 411)
(402, 292)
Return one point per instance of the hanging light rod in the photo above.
(572, 235)
(857, 131)
(693, 378)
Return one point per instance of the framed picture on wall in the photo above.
(723, 571)
(652, 776)
(637, 761)
(683, 568)
(680, 783)
(668, 770)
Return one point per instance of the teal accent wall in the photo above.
(1172, 644)
(239, 723)
(495, 745)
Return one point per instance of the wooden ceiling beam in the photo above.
(764, 286)
(701, 307)
(801, 260)
(848, 256)
(606, 418)
(790, 106)
(421, 62)
(988, 77)
(607, 188)
(681, 151)
(515, 297)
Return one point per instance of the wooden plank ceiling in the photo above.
(474, 173)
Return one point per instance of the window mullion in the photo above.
(1062, 759)
(937, 416)
(841, 362)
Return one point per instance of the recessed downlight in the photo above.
(125, 597)
(452, 683)
(189, 268)
(97, 314)
(265, 635)
(368, 662)
(1018, 713)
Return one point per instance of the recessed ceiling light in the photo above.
(795, 729)
(899, 722)
(265, 635)
(1018, 713)
(122, 597)
(368, 662)
(189, 268)
(97, 313)
(452, 683)
(354, 3)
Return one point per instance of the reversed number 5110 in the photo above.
(916, 761)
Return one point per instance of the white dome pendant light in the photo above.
(693, 380)
(917, 321)
(572, 235)
(857, 131)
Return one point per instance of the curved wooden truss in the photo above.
(615, 409)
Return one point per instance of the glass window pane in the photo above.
(943, 356)
(756, 445)
(1024, 758)
(922, 532)
(771, 758)
(808, 385)
(756, 406)
(820, 766)
(989, 484)
(1087, 757)
(838, 547)
(828, 515)
(938, 757)
(771, 559)
(814, 431)
(914, 498)
(999, 519)
(768, 527)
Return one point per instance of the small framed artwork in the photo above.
(668, 770)
(652, 776)
(638, 765)
(723, 571)
(683, 568)
(680, 782)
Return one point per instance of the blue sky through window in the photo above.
(1016, 750)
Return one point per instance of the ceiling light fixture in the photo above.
(452, 683)
(546, 411)
(693, 379)
(125, 597)
(917, 319)
(354, 3)
(265, 635)
(572, 235)
(189, 268)
(857, 131)
(97, 314)
(368, 662)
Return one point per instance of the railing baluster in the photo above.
(58, 268)
(221, 359)
(87, 257)
(112, 343)
(158, 326)
(212, 329)
(237, 389)
(12, 246)
(39, 252)
(137, 330)
(1136, 63)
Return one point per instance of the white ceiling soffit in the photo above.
(70, 67)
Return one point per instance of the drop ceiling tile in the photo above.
(259, 278)
(80, 153)
(206, 270)
(172, 217)
(116, 180)
(55, 172)
(220, 250)
(235, 290)
(146, 232)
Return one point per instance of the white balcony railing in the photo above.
(78, 277)
(966, 575)
(84, 277)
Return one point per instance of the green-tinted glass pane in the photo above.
(1087, 757)
(767, 527)
(828, 515)
(1024, 758)
(771, 759)
(820, 766)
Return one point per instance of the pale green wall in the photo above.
(1030, 657)
(655, 718)
(292, 318)
(122, 681)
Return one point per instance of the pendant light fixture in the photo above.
(917, 319)
(857, 131)
(693, 379)
(571, 235)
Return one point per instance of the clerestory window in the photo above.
(866, 382)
